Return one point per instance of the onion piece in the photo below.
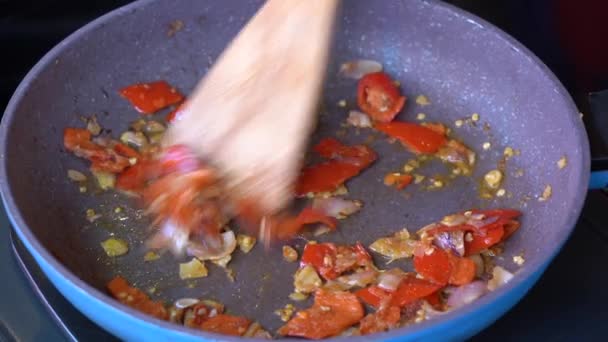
(76, 176)
(395, 247)
(204, 253)
(390, 280)
(360, 279)
(500, 276)
(135, 139)
(306, 280)
(183, 303)
(450, 241)
(453, 220)
(358, 119)
(359, 68)
(337, 207)
(465, 294)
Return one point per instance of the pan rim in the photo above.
(532, 271)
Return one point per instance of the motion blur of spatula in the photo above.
(252, 113)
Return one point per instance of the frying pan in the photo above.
(460, 62)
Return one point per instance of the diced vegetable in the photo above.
(226, 324)
(105, 180)
(378, 96)
(120, 289)
(306, 280)
(382, 320)
(500, 276)
(395, 247)
(149, 98)
(359, 68)
(417, 138)
(442, 267)
(286, 312)
(245, 242)
(76, 176)
(331, 313)
(115, 247)
(192, 269)
(345, 162)
(290, 254)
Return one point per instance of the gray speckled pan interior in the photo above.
(462, 65)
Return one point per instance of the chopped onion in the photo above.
(105, 180)
(396, 247)
(76, 176)
(465, 294)
(192, 269)
(306, 280)
(337, 207)
(183, 303)
(453, 241)
(500, 276)
(93, 126)
(360, 279)
(358, 119)
(453, 220)
(359, 68)
(321, 230)
(136, 139)
(153, 127)
(390, 280)
(204, 253)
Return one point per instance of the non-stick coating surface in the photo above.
(463, 66)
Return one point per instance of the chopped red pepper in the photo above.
(434, 300)
(382, 320)
(441, 267)
(331, 313)
(135, 298)
(322, 256)
(412, 289)
(417, 138)
(148, 98)
(378, 96)
(331, 260)
(373, 296)
(483, 240)
(462, 270)
(346, 162)
(226, 325)
(434, 266)
(398, 180)
(113, 158)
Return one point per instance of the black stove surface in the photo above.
(568, 303)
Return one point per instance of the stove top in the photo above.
(568, 303)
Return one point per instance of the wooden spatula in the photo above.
(252, 113)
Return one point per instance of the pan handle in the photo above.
(598, 180)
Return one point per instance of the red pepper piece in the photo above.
(412, 289)
(379, 97)
(417, 138)
(148, 98)
(331, 313)
(226, 325)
